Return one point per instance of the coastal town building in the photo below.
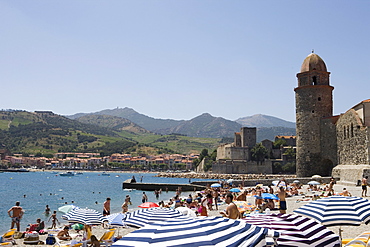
(91, 161)
(327, 144)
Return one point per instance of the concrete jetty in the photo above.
(128, 184)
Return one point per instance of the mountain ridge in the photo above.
(204, 125)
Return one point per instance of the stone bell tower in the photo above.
(314, 101)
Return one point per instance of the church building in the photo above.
(326, 144)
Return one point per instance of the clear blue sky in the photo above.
(178, 59)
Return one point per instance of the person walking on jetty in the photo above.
(364, 186)
(16, 212)
(106, 207)
(54, 220)
(144, 198)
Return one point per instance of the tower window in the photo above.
(319, 98)
(314, 80)
(313, 111)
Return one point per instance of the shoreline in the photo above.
(292, 203)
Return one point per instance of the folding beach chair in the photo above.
(107, 238)
(360, 240)
(8, 237)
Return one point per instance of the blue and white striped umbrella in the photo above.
(144, 216)
(338, 210)
(84, 216)
(201, 231)
(296, 230)
(116, 219)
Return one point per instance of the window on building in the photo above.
(314, 80)
(344, 132)
(351, 129)
(319, 98)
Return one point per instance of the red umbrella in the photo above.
(149, 205)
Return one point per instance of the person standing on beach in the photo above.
(144, 198)
(364, 186)
(17, 213)
(54, 220)
(215, 196)
(282, 204)
(106, 207)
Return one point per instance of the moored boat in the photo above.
(67, 174)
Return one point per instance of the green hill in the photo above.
(46, 133)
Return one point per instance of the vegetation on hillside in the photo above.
(44, 134)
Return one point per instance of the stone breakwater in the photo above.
(225, 176)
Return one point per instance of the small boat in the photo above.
(67, 174)
(23, 169)
(79, 173)
(105, 174)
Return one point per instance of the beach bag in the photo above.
(50, 240)
(31, 238)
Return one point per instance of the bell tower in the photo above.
(314, 101)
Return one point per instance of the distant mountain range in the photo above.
(260, 120)
(204, 125)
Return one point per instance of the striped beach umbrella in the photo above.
(144, 216)
(296, 230)
(116, 219)
(338, 210)
(201, 231)
(84, 216)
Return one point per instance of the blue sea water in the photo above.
(35, 190)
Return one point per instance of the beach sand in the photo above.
(292, 204)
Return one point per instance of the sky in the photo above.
(178, 59)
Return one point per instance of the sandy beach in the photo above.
(292, 204)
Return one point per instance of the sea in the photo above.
(35, 190)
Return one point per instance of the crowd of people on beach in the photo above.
(204, 202)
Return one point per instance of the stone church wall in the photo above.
(328, 140)
(352, 137)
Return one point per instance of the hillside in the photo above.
(45, 133)
(260, 120)
(112, 122)
(48, 133)
(149, 123)
(206, 126)
(270, 133)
